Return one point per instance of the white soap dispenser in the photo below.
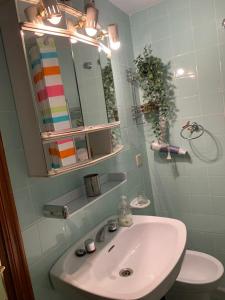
(125, 214)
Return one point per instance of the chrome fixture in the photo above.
(223, 23)
(80, 252)
(114, 40)
(91, 18)
(32, 14)
(126, 272)
(191, 129)
(136, 109)
(112, 226)
(51, 11)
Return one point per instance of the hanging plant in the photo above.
(155, 80)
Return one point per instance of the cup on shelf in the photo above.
(92, 185)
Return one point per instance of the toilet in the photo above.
(198, 278)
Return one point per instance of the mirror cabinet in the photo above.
(68, 113)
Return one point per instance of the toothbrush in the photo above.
(168, 155)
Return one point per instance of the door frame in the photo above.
(16, 275)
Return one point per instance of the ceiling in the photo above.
(132, 6)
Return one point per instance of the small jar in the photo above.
(90, 246)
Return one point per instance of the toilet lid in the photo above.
(200, 268)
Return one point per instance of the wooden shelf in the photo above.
(64, 207)
(85, 164)
(54, 135)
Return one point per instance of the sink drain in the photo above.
(126, 272)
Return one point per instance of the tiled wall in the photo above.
(190, 35)
(46, 239)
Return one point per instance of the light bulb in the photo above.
(55, 19)
(115, 45)
(180, 72)
(91, 31)
(73, 40)
(91, 19)
(114, 40)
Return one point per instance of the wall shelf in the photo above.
(85, 164)
(64, 207)
(54, 135)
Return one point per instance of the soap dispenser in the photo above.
(125, 214)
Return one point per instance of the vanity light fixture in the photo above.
(52, 11)
(114, 41)
(91, 19)
(33, 15)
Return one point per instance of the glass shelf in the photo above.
(65, 206)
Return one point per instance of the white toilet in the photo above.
(199, 277)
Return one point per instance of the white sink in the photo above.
(153, 248)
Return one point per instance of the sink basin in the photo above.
(138, 262)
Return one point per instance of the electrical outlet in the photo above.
(139, 160)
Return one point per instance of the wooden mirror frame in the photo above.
(12, 254)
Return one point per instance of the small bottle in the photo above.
(125, 214)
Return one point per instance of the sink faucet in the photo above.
(112, 226)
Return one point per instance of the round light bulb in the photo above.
(180, 72)
(115, 45)
(55, 20)
(91, 31)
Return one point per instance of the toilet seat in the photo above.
(199, 268)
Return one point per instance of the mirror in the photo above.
(82, 80)
(96, 85)
(54, 81)
(108, 88)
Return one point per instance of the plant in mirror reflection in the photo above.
(109, 92)
(156, 82)
(110, 100)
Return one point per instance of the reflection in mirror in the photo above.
(54, 80)
(96, 85)
(73, 83)
(66, 152)
(109, 88)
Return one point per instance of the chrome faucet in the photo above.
(112, 226)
